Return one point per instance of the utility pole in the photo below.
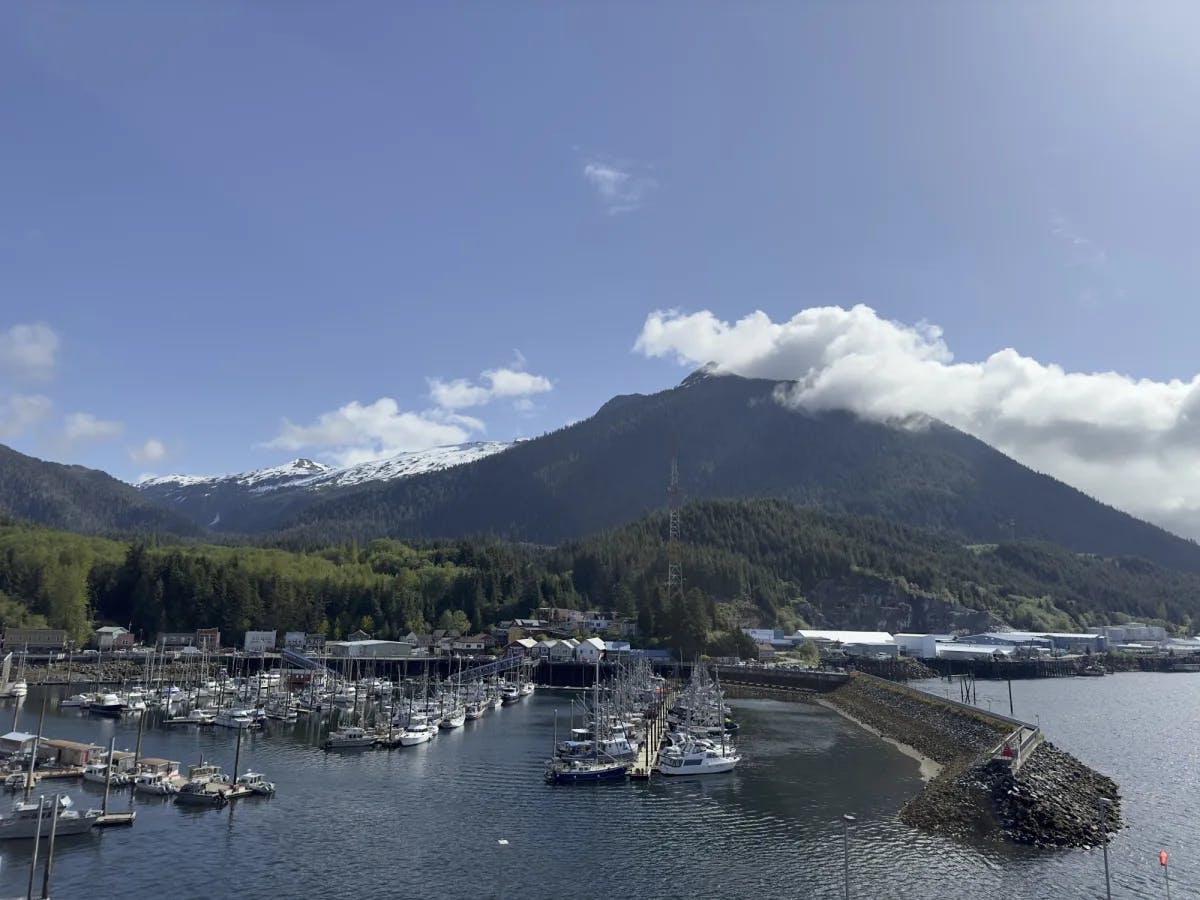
(1104, 803)
(847, 819)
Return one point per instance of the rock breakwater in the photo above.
(1053, 800)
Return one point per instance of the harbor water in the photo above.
(468, 814)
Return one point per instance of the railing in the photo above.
(1016, 748)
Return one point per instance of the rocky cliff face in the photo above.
(872, 603)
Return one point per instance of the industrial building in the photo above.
(1069, 642)
(920, 646)
(852, 643)
(369, 649)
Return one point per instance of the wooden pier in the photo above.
(656, 725)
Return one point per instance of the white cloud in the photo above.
(152, 451)
(86, 427)
(620, 187)
(20, 412)
(29, 351)
(357, 432)
(495, 384)
(1134, 443)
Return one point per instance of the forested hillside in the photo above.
(750, 562)
(75, 498)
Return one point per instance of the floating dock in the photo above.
(656, 724)
(111, 820)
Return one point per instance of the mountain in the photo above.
(733, 439)
(80, 499)
(256, 500)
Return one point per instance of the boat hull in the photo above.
(586, 776)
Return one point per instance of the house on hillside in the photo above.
(474, 643)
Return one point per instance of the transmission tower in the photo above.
(674, 547)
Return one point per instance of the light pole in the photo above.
(846, 820)
(1104, 803)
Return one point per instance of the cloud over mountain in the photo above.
(1130, 442)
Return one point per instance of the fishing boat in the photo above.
(197, 793)
(97, 773)
(76, 700)
(509, 693)
(234, 718)
(526, 690)
(23, 821)
(109, 705)
(349, 737)
(256, 783)
(155, 784)
(477, 708)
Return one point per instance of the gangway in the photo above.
(503, 664)
(300, 661)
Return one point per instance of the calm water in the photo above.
(426, 821)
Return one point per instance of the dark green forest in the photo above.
(746, 562)
(76, 498)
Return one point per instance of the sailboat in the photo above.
(570, 768)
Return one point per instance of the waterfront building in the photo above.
(1132, 633)
(1071, 642)
(589, 650)
(959, 650)
(208, 639)
(35, 640)
(176, 640)
(294, 640)
(522, 647)
(112, 637)
(259, 641)
(369, 649)
(852, 643)
(314, 642)
(920, 646)
(17, 742)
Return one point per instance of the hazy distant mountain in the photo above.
(255, 500)
(79, 499)
(732, 439)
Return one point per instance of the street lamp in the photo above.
(1103, 804)
(846, 820)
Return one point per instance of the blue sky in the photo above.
(220, 216)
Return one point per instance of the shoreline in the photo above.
(929, 769)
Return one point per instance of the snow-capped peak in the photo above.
(308, 473)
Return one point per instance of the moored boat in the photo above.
(23, 821)
(349, 737)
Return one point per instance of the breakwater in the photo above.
(997, 779)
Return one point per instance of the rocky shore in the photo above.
(1052, 801)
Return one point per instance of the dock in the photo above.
(656, 725)
(111, 820)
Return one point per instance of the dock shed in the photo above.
(73, 753)
(17, 742)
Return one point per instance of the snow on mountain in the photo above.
(307, 473)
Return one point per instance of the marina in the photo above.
(803, 768)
